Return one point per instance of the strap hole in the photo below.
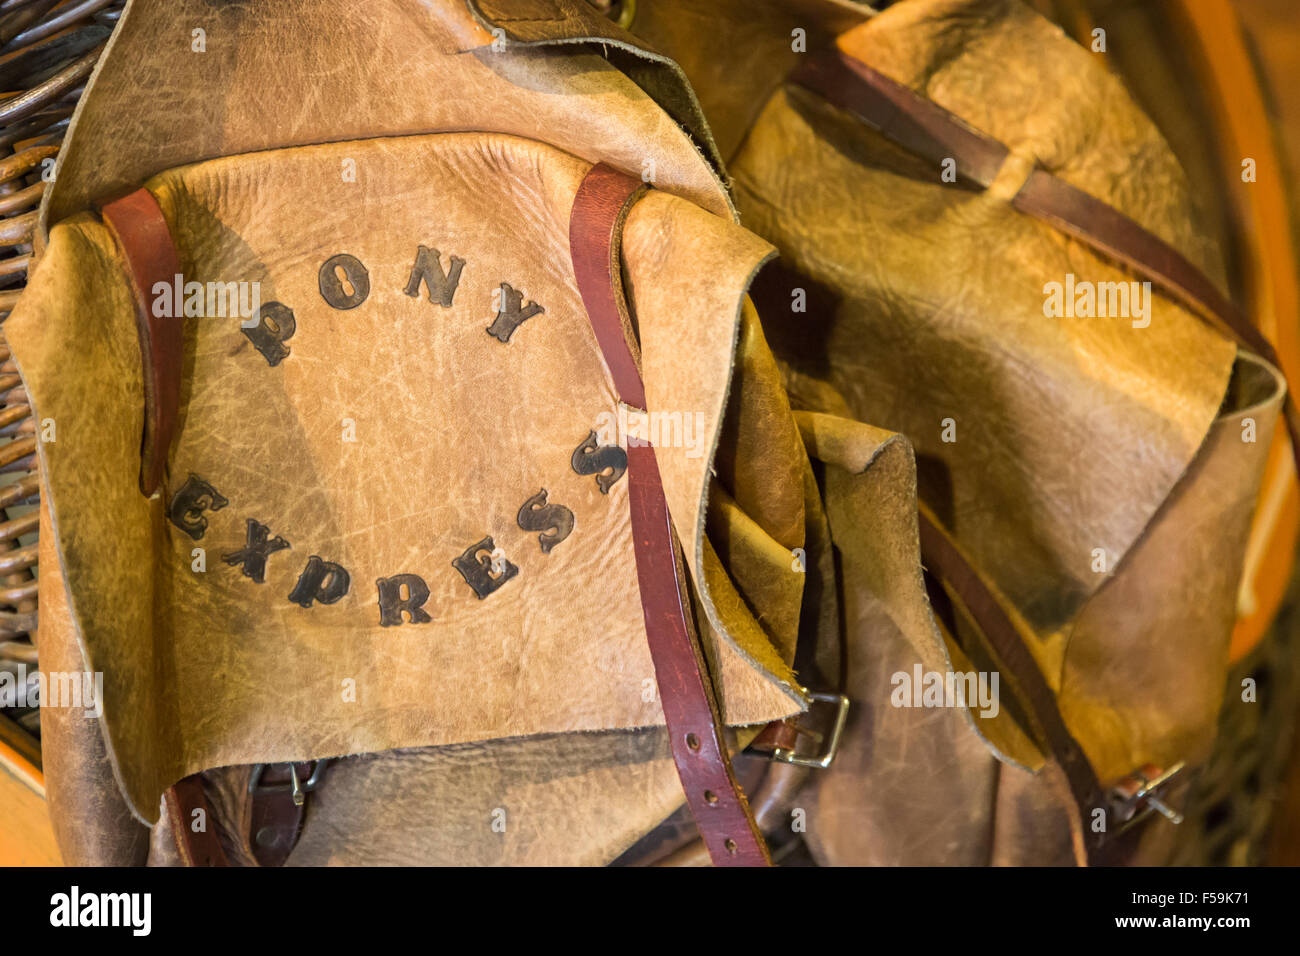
(710, 797)
(693, 741)
(730, 844)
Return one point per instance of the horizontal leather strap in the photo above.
(146, 242)
(691, 713)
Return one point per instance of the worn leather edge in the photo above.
(110, 751)
(40, 234)
(1277, 394)
(465, 34)
(603, 32)
(792, 689)
(991, 615)
(92, 820)
(837, 454)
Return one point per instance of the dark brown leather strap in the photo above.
(595, 225)
(933, 133)
(716, 800)
(200, 847)
(778, 735)
(919, 125)
(146, 243)
(273, 821)
(142, 232)
(945, 560)
(271, 818)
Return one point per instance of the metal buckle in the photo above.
(299, 789)
(832, 744)
(1137, 796)
(621, 12)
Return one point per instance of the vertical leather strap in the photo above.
(142, 232)
(201, 847)
(694, 724)
(146, 242)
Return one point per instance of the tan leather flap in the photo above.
(189, 80)
(440, 378)
(1046, 437)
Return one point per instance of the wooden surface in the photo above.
(26, 837)
(1242, 94)
(1273, 30)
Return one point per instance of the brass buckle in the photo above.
(299, 789)
(823, 760)
(622, 12)
(1137, 796)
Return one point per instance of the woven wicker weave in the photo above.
(1230, 808)
(47, 50)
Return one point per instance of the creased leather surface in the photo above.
(394, 68)
(680, 361)
(755, 519)
(893, 755)
(565, 800)
(1143, 671)
(574, 23)
(924, 302)
(453, 431)
(93, 824)
(543, 788)
(1070, 432)
(747, 48)
(910, 785)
